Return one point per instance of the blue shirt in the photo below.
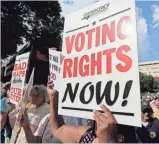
(3, 106)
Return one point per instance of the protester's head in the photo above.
(146, 112)
(4, 91)
(38, 95)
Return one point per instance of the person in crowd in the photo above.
(43, 133)
(105, 130)
(155, 108)
(149, 132)
(4, 112)
(126, 134)
(38, 97)
(6, 129)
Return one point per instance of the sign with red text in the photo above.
(101, 62)
(54, 64)
(18, 78)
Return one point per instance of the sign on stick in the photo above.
(18, 78)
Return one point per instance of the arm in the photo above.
(65, 133)
(30, 137)
(106, 126)
(28, 131)
(12, 117)
(3, 119)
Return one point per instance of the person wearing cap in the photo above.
(149, 132)
(156, 108)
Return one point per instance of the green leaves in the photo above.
(33, 20)
(147, 83)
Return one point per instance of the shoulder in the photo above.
(45, 118)
(156, 121)
(3, 100)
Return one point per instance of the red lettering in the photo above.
(96, 63)
(19, 91)
(69, 44)
(24, 64)
(67, 65)
(108, 32)
(84, 68)
(97, 36)
(124, 19)
(79, 42)
(89, 33)
(15, 66)
(108, 54)
(124, 58)
(75, 67)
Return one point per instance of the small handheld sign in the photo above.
(18, 78)
(54, 64)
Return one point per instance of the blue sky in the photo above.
(147, 25)
(149, 11)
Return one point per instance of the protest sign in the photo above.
(54, 64)
(101, 62)
(18, 78)
(22, 107)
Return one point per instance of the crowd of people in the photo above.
(40, 122)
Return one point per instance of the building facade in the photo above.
(150, 68)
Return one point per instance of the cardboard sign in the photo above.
(54, 64)
(22, 107)
(101, 62)
(18, 78)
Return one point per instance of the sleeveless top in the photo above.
(88, 136)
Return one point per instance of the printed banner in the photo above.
(18, 78)
(101, 62)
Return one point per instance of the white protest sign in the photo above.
(22, 107)
(101, 62)
(54, 64)
(18, 78)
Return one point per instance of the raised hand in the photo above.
(106, 126)
(24, 120)
(51, 91)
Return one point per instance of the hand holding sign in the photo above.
(101, 63)
(106, 125)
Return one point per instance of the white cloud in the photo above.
(142, 31)
(155, 16)
(69, 6)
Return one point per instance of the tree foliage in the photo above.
(39, 22)
(148, 83)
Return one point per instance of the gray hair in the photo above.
(42, 91)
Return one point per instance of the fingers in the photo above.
(105, 109)
(100, 115)
(107, 112)
(48, 78)
(97, 119)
